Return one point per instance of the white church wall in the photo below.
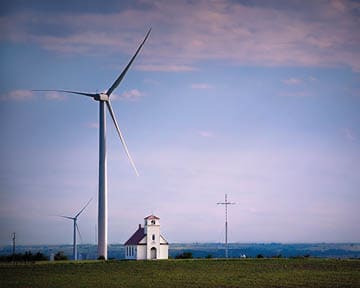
(141, 252)
(143, 241)
(164, 252)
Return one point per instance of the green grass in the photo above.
(185, 273)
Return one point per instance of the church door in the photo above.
(153, 253)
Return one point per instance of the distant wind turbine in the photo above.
(226, 203)
(104, 100)
(76, 228)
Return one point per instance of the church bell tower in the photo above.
(152, 230)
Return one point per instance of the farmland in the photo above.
(185, 273)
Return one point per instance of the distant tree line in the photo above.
(189, 255)
(29, 257)
(60, 256)
(184, 255)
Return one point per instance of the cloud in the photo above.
(93, 125)
(295, 94)
(27, 95)
(18, 95)
(201, 86)
(55, 96)
(292, 81)
(297, 89)
(206, 134)
(166, 68)
(349, 134)
(185, 33)
(131, 95)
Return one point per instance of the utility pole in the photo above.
(13, 239)
(226, 203)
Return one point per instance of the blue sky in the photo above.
(257, 100)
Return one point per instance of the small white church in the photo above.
(147, 243)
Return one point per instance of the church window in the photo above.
(153, 222)
(153, 237)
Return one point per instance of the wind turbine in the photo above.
(76, 228)
(104, 100)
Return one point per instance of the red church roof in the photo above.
(150, 217)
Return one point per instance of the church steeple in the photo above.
(152, 230)
(151, 220)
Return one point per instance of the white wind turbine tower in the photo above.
(104, 100)
(76, 228)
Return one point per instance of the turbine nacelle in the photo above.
(101, 97)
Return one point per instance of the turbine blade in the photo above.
(77, 215)
(121, 136)
(67, 217)
(78, 230)
(118, 80)
(68, 91)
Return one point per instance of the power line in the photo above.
(226, 203)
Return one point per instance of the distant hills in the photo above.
(236, 250)
(210, 250)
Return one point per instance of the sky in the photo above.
(256, 99)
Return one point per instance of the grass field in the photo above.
(185, 273)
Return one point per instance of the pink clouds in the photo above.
(55, 96)
(18, 95)
(298, 87)
(166, 68)
(185, 33)
(131, 95)
(296, 94)
(201, 86)
(292, 81)
(92, 125)
(27, 95)
(206, 134)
